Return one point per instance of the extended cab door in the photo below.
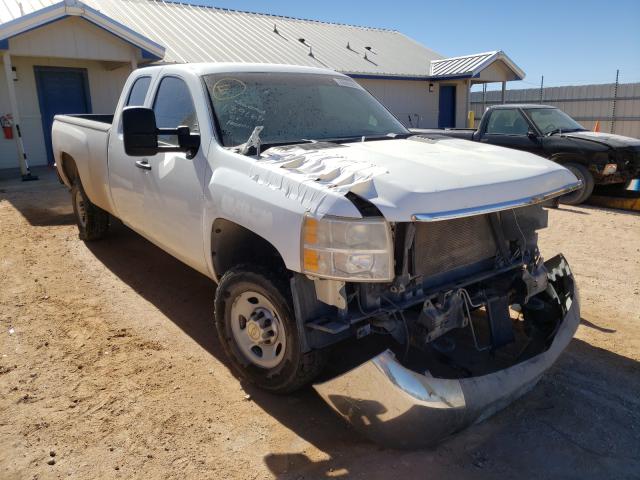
(173, 187)
(125, 180)
(508, 127)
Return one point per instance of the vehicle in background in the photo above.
(327, 225)
(597, 159)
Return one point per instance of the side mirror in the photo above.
(139, 131)
(532, 135)
(141, 134)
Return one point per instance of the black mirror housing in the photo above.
(139, 131)
(140, 134)
(532, 135)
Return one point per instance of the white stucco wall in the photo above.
(412, 99)
(104, 88)
(71, 37)
(70, 42)
(406, 99)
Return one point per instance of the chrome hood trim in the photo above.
(496, 207)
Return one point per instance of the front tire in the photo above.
(258, 331)
(93, 222)
(588, 183)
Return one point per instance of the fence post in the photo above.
(613, 106)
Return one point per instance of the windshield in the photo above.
(295, 107)
(551, 120)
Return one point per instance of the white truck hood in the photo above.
(416, 178)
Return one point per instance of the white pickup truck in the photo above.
(329, 227)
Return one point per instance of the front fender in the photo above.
(272, 210)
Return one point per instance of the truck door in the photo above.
(508, 127)
(173, 189)
(125, 179)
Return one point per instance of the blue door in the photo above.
(447, 107)
(60, 90)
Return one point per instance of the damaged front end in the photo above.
(396, 406)
(471, 320)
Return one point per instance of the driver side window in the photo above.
(508, 121)
(174, 108)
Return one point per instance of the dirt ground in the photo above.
(109, 361)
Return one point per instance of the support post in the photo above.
(468, 103)
(17, 129)
(504, 92)
(134, 61)
(484, 97)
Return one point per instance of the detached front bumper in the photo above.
(399, 408)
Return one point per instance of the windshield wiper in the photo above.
(252, 141)
(366, 138)
(554, 131)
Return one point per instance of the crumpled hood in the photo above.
(608, 139)
(415, 176)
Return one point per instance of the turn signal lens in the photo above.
(347, 249)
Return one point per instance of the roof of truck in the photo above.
(521, 105)
(207, 68)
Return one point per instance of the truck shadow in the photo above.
(42, 203)
(582, 420)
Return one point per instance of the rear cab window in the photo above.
(138, 92)
(507, 121)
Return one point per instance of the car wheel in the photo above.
(93, 222)
(258, 331)
(579, 196)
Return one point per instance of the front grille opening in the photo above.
(441, 247)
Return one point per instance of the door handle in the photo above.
(143, 164)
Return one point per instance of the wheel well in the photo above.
(563, 158)
(233, 244)
(69, 167)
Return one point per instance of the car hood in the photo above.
(608, 139)
(418, 177)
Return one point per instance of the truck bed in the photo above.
(84, 140)
(95, 121)
(464, 133)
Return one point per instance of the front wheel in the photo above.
(93, 222)
(588, 183)
(258, 331)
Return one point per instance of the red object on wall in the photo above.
(6, 122)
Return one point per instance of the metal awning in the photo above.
(472, 67)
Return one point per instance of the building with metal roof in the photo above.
(89, 47)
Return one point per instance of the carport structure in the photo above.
(61, 44)
(480, 68)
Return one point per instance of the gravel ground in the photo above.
(110, 368)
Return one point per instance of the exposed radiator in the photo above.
(444, 246)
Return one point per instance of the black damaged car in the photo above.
(604, 160)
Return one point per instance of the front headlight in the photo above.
(347, 249)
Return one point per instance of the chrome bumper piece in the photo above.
(399, 408)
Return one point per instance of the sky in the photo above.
(570, 42)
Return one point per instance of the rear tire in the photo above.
(252, 305)
(588, 183)
(93, 222)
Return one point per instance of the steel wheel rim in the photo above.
(257, 330)
(81, 209)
